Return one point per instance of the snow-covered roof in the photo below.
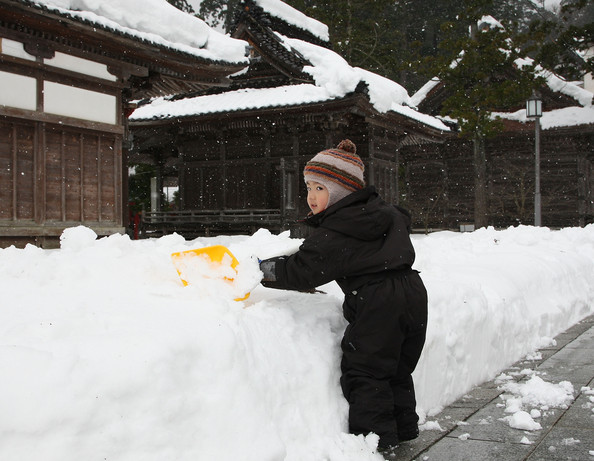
(580, 114)
(231, 101)
(557, 118)
(559, 84)
(334, 78)
(151, 21)
(294, 17)
(417, 98)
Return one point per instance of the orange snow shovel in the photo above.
(214, 254)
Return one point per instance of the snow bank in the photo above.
(107, 355)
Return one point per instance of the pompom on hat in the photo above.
(340, 170)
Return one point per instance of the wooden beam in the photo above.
(14, 172)
(59, 120)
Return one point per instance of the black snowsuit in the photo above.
(363, 243)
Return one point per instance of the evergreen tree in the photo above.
(182, 5)
(563, 41)
(392, 37)
(389, 37)
(219, 13)
(360, 31)
(479, 69)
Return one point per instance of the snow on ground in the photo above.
(108, 356)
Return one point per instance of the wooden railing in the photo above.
(212, 216)
(196, 222)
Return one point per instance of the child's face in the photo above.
(317, 196)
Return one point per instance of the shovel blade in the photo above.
(215, 254)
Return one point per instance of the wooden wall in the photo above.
(53, 176)
(438, 180)
(257, 163)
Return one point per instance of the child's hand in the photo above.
(268, 268)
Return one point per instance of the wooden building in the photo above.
(438, 178)
(238, 153)
(67, 79)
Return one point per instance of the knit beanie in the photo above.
(340, 170)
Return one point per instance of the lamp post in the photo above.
(534, 110)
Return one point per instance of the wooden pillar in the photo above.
(117, 181)
(63, 175)
(81, 167)
(221, 137)
(371, 166)
(99, 177)
(394, 178)
(181, 180)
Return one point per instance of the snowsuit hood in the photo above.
(355, 240)
(362, 215)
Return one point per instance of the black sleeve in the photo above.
(316, 263)
(407, 217)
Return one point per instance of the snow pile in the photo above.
(151, 20)
(535, 395)
(109, 356)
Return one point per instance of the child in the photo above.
(363, 244)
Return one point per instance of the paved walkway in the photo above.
(567, 434)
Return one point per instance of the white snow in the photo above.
(559, 84)
(536, 392)
(106, 355)
(580, 114)
(422, 92)
(522, 420)
(245, 99)
(557, 118)
(491, 22)
(551, 5)
(334, 78)
(535, 395)
(295, 17)
(151, 20)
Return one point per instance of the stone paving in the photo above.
(473, 431)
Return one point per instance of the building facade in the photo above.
(67, 85)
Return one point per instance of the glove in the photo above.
(268, 268)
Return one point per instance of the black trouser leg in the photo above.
(380, 351)
(403, 387)
(410, 353)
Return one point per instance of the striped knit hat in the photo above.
(340, 170)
